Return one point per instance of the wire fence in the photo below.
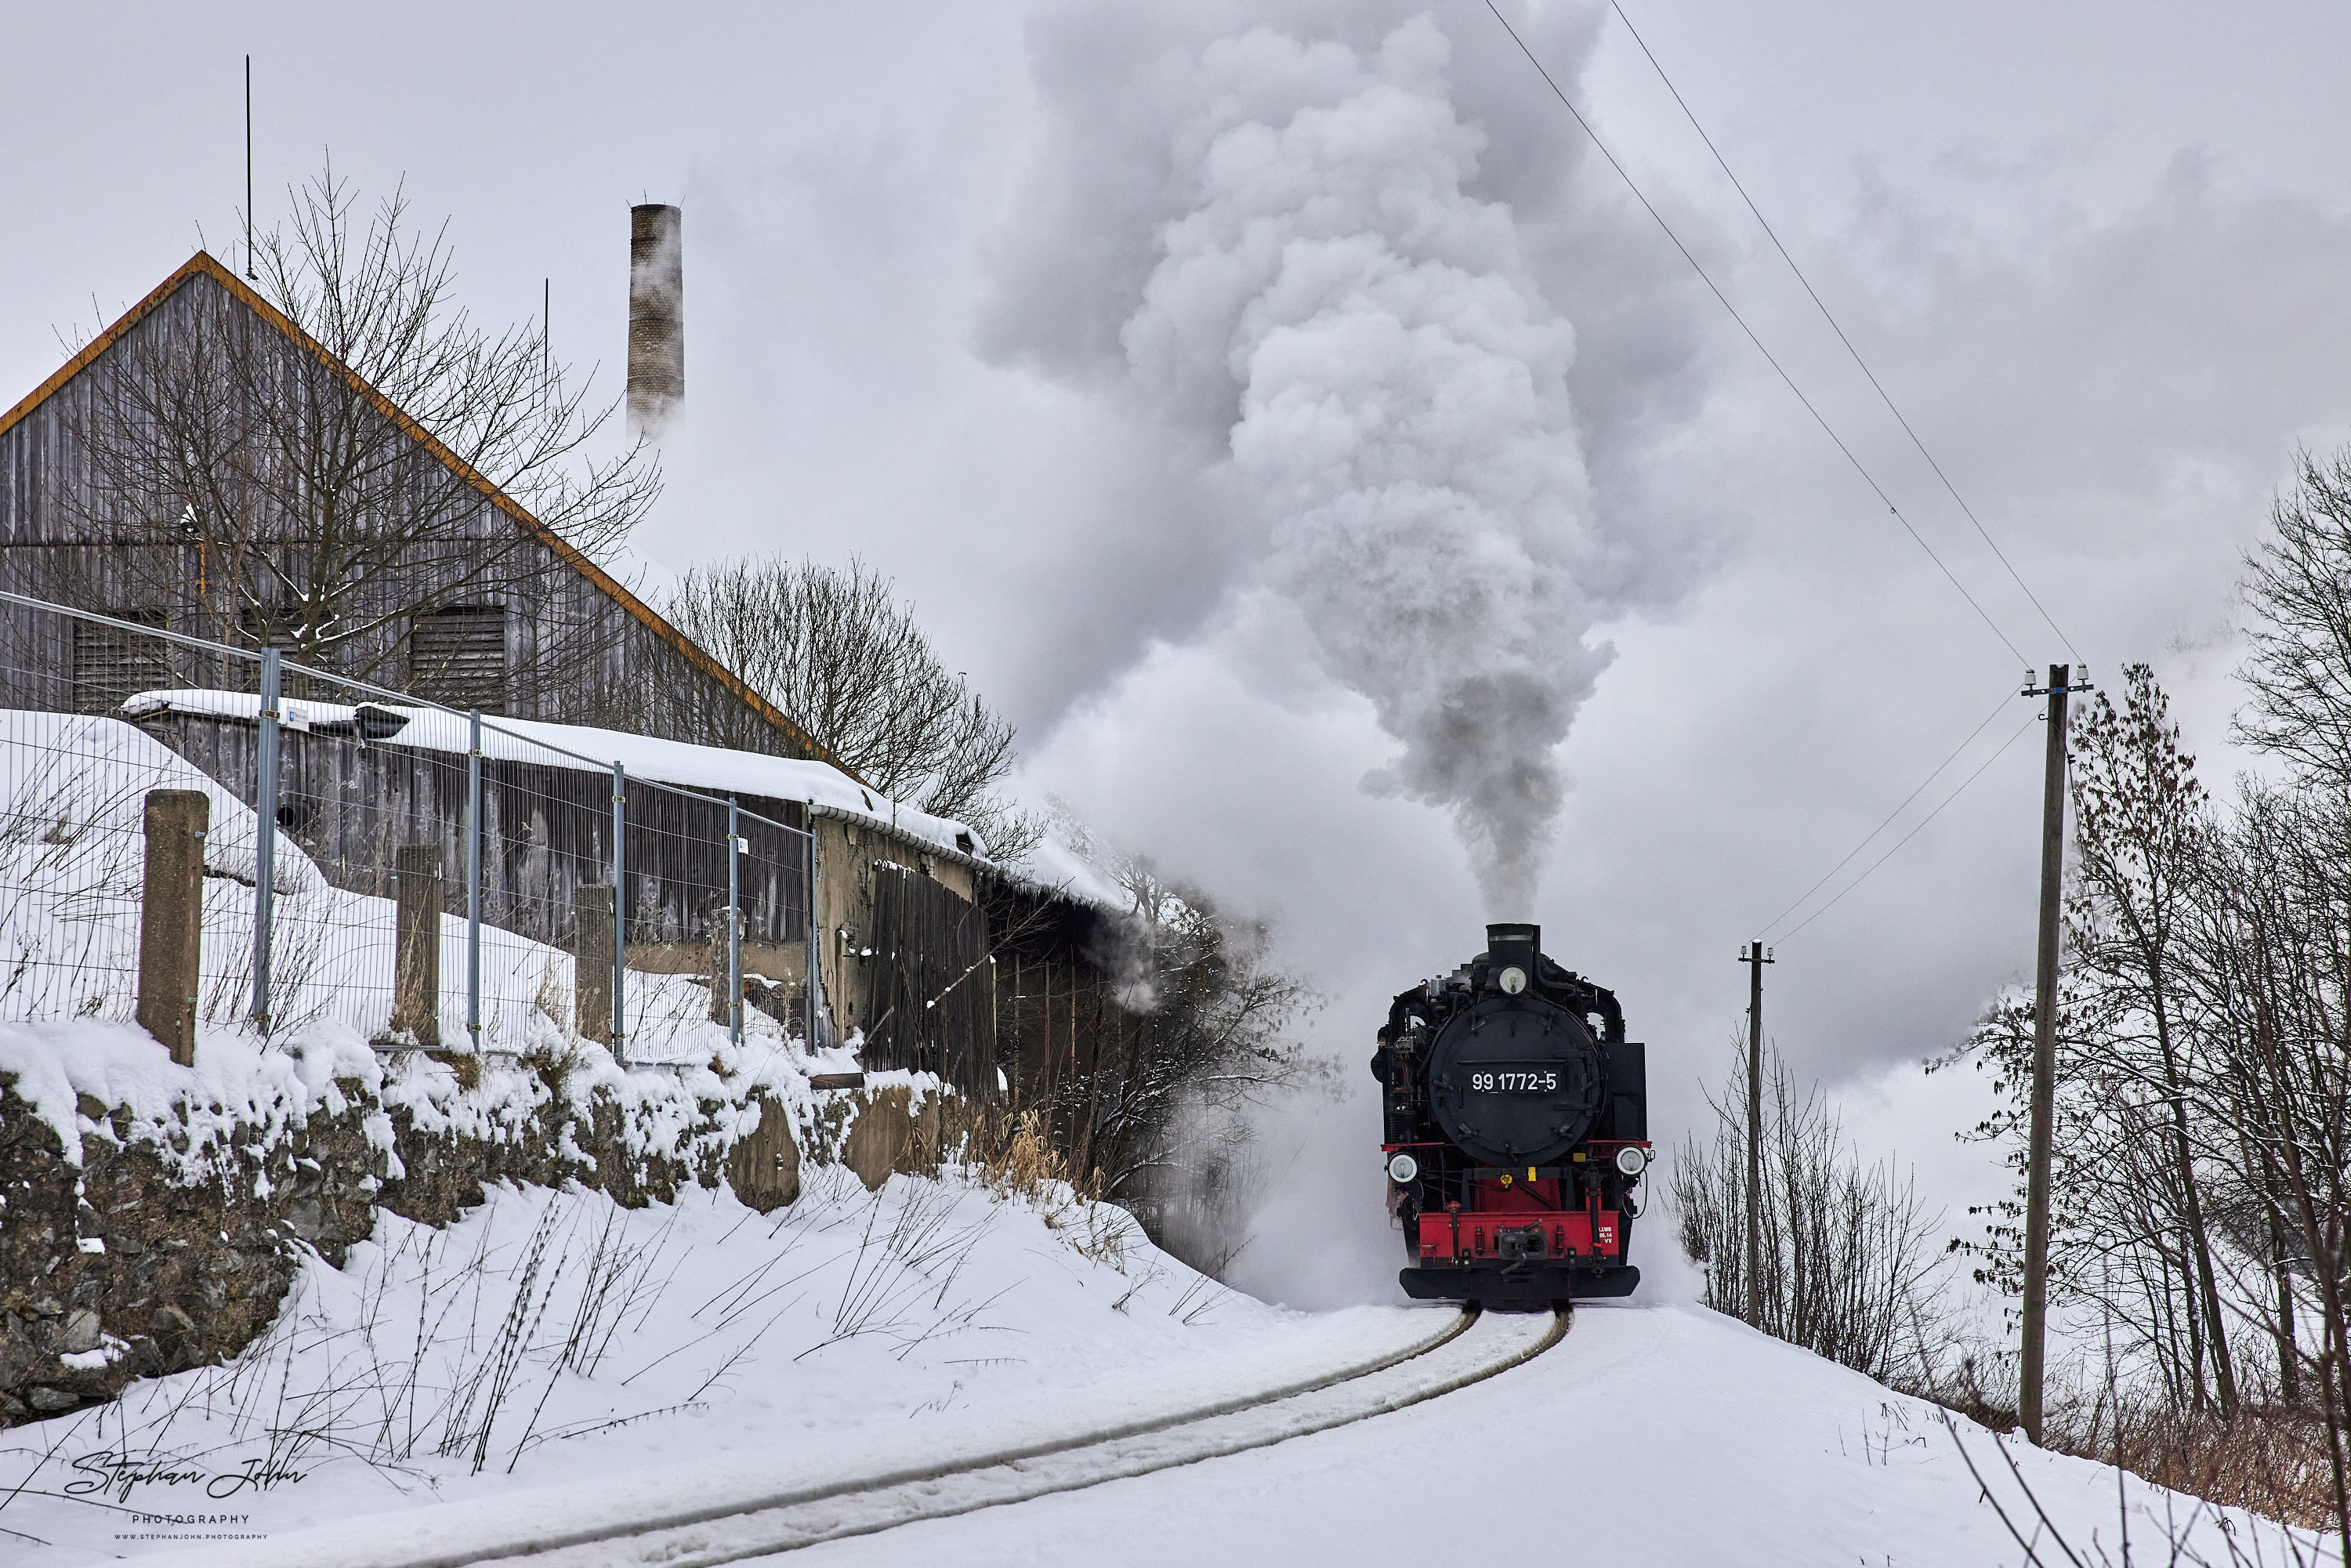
(428, 877)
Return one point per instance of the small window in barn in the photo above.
(110, 663)
(458, 657)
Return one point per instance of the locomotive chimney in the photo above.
(1514, 946)
(656, 317)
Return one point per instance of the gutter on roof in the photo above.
(202, 262)
(978, 865)
(975, 864)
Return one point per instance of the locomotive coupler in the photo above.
(1521, 1243)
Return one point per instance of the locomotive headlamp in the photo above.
(1403, 1169)
(1512, 979)
(1631, 1161)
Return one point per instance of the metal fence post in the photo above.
(473, 881)
(620, 915)
(814, 982)
(265, 837)
(734, 920)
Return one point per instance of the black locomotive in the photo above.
(1517, 1119)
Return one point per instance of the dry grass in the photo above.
(463, 1063)
(2271, 1460)
(1015, 1157)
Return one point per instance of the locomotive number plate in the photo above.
(1514, 1080)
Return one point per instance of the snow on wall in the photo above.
(240, 1080)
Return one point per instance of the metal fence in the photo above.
(429, 877)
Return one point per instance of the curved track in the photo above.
(1471, 1349)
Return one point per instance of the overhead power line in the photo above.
(2030, 719)
(1875, 386)
(1707, 278)
(1798, 903)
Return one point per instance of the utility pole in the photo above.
(248, 166)
(2044, 1059)
(1755, 956)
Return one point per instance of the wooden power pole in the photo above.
(1755, 957)
(2044, 1062)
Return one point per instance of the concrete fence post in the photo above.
(592, 961)
(170, 918)
(416, 948)
(713, 961)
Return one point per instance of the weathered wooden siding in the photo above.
(547, 830)
(929, 986)
(574, 653)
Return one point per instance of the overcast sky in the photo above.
(2094, 252)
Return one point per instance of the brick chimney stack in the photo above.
(656, 317)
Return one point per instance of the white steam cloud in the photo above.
(1276, 238)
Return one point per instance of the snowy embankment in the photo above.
(1665, 1435)
(628, 1358)
(555, 1355)
(554, 1362)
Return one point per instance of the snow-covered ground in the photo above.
(553, 1337)
(1664, 1435)
(554, 1356)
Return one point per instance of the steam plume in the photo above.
(1274, 237)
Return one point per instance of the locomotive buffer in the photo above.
(1517, 1131)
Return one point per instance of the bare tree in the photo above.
(2202, 1165)
(1199, 1021)
(1149, 1062)
(321, 488)
(2297, 584)
(2142, 826)
(2276, 958)
(1850, 1267)
(838, 652)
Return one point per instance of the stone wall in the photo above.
(144, 1261)
(124, 1268)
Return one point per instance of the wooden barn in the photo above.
(441, 585)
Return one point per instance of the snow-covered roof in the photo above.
(712, 769)
(1050, 866)
(1053, 864)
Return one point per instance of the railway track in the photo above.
(1470, 1348)
(1474, 1348)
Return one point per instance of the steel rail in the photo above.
(1238, 1426)
(977, 1478)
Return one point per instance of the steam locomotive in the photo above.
(1517, 1123)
